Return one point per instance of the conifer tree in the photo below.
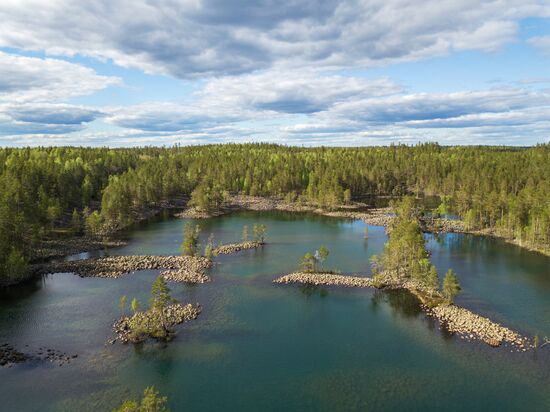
(190, 244)
(451, 287)
(160, 299)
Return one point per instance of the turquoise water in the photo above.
(260, 346)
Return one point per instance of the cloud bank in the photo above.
(297, 72)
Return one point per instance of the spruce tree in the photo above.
(451, 287)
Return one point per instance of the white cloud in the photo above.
(174, 117)
(293, 91)
(541, 42)
(189, 38)
(25, 79)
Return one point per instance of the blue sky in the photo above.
(310, 72)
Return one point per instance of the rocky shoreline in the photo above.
(360, 211)
(174, 314)
(236, 247)
(455, 319)
(117, 266)
(58, 248)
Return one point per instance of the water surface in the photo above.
(259, 346)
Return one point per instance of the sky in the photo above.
(306, 73)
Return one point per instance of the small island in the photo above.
(405, 264)
(158, 321)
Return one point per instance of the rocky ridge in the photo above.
(327, 279)
(116, 266)
(236, 247)
(471, 326)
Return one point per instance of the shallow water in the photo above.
(259, 346)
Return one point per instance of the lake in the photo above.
(259, 346)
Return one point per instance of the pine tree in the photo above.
(244, 236)
(122, 303)
(432, 279)
(322, 255)
(160, 299)
(307, 263)
(135, 305)
(259, 232)
(209, 248)
(451, 287)
(190, 244)
(76, 224)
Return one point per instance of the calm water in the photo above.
(258, 346)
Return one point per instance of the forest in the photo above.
(55, 191)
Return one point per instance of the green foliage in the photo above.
(451, 287)
(15, 266)
(160, 299)
(160, 294)
(94, 223)
(76, 223)
(406, 209)
(432, 279)
(150, 402)
(207, 197)
(122, 303)
(405, 257)
(190, 244)
(209, 248)
(321, 255)
(444, 207)
(504, 190)
(307, 263)
(244, 235)
(259, 232)
(135, 305)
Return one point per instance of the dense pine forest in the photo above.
(51, 191)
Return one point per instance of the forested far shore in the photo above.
(52, 192)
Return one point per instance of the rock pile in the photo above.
(440, 225)
(236, 247)
(471, 326)
(174, 315)
(116, 266)
(318, 278)
(194, 213)
(185, 275)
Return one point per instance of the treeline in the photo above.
(40, 188)
(505, 189)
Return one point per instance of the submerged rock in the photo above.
(10, 356)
